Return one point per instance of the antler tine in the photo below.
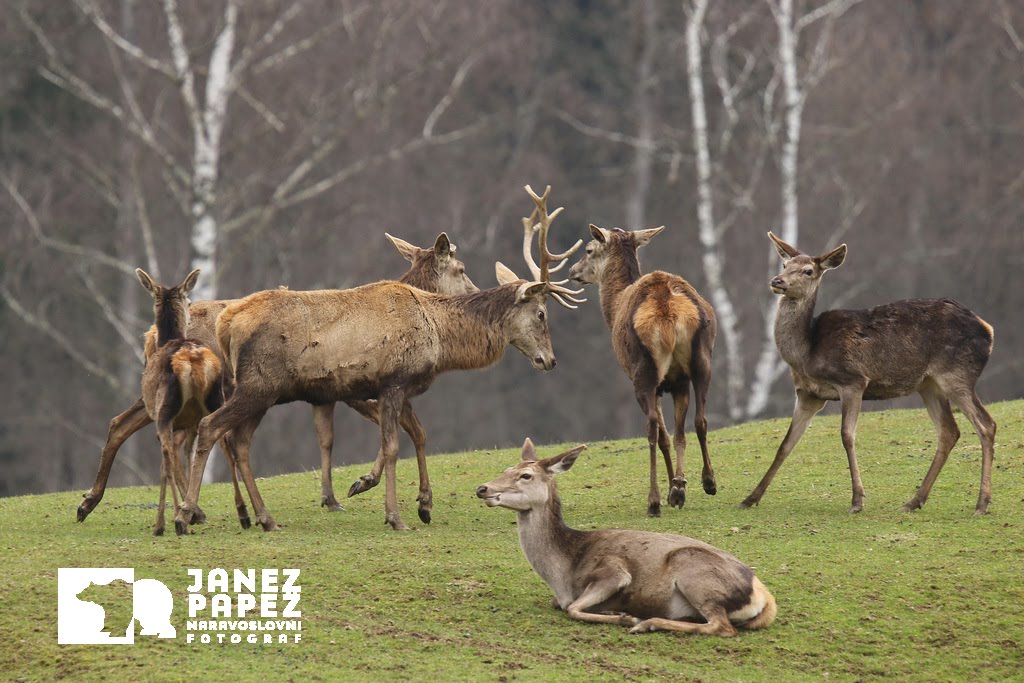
(529, 227)
(539, 221)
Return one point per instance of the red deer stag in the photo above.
(649, 581)
(934, 347)
(182, 381)
(386, 341)
(663, 334)
(432, 269)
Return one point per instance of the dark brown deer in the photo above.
(431, 269)
(663, 334)
(934, 347)
(386, 341)
(181, 383)
(648, 581)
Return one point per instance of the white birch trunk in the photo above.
(709, 238)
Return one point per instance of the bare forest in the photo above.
(274, 142)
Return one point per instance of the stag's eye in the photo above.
(526, 476)
(590, 251)
(808, 272)
(540, 316)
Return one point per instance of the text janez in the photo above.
(249, 605)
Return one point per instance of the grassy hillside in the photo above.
(933, 595)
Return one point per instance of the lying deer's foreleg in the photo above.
(121, 427)
(600, 590)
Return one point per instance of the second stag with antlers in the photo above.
(663, 334)
(386, 341)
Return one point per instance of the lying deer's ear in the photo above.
(563, 461)
(147, 281)
(408, 251)
(786, 251)
(443, 247)
(833, 259)
(642, 237)
(529, 452)
(600, 234)
(504, 274)
(189, 283)
(531, 290)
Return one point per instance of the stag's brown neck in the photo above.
(473, 328)
(171, 320)
(622, 270)
(549, 544)
(793, 329)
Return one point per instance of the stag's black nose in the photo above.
(481, 491)
(777, 282)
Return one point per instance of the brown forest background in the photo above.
(343, 119)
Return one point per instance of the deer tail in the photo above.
(767, 615)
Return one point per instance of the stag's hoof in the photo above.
(749, 501)
(856, 507)
(268, 523)
(198, 517)
(654, 509)
(181, 528)
(82, 512)
(86, 506)
(911, 505)
(426, 501)
(710, 487)
(159, 531)
(628, 619)
(424, 514)
(396, 522)
(980, 511)
(363, 483)
(643, 627)
(243, 517)
(676, 497)
(331, 503)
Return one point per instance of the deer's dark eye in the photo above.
(540, 315)
(526, 476)
(808, 272)
(590, 250)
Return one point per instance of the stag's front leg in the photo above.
(121, 427)
(323, 421)
(243, 440)
(414, 428)
(390, 411)
(369, 410)
(851, 400)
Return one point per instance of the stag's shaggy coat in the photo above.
(934, 347)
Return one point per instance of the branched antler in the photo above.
(539, 221)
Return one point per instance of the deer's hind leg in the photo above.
(701, 371)
(645, 386)
(242, 436)
(681, 403)
(718, 624)
(371, 411)
(121, 427)
(970, 405)
(323, 422)
(947, 434)
(414, 428)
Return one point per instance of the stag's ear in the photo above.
(408, 251)
(563, 461)
(642, 237)
(504, 274)
(833, 259)
(189, 283)
(531, 290)
(529, 452)
(786, 251)
(443, 247)
(600, 234)
(147, 282)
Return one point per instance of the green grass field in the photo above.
(930, 596)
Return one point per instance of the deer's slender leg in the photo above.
(971, 406)
(852, 399)
(184, 440)
(701, 368)
(718, 625)
(946, 433)
(158, 528)
(227, 445)
(648, 400)
(681, 403)
(414, 428)
(243, 440)
(121, 427)
(390, 405)
(369, 410)
(599, 590)
(323, 421)
(807, 407)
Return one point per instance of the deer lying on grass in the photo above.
(432, 269)
(182, 381)
(663, 334)
(649, 581)
(934, 347)
(386, 341)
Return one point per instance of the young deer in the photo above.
(386, 341)
(934, 347)
(431, 269)
(650, 581)
(663, 334)
(181, 383)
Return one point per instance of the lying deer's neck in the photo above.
(793, 329)
(622, 270)
(473, 328)
(170, 323)
(546, 542)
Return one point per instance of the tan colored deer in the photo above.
(663, 334)
(934, 347)
(431, 269)
(649, 581)
(181, 383)
(386, 341)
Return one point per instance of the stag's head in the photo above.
(170, 301)
(801, 274)
(531, 483)
(607, 247)
(435, 269)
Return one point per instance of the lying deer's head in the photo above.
(529, 484)
(608, 246)
(435, 269)
(801, 274)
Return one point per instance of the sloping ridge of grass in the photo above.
(932, 595)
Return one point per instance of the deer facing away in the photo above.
(431, 269)
(181, 383)
(649, 581)
(663, 334)
(934, 347)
